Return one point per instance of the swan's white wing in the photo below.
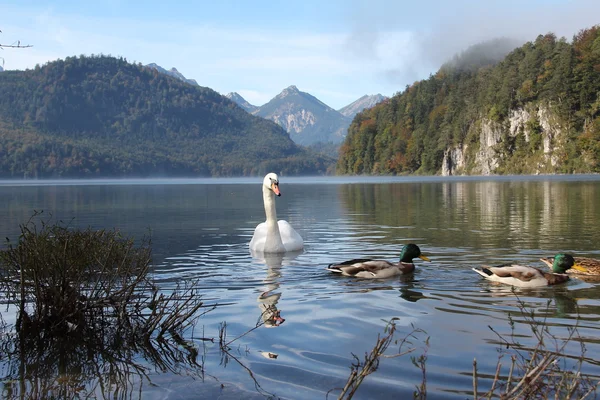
(257, 243)
(290, 238)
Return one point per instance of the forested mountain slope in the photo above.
(102, 116)
(536, 111)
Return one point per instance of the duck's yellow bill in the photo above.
(422, 257)
(579, 268)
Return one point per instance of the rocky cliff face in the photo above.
(295, 121)
(454, 161)
(498, 145)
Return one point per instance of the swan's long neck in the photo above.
(269, 201)
(273, 243)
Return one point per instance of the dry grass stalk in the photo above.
(85, 303)
(72, 280)
(534, 372)
(361, 369)
(227, 354)
(537, 371)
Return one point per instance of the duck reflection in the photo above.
(566, 304)
(270, 316)
(565, 301)
(408, 294)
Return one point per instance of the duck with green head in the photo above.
(590, 267)
(369, 268)
(527, 276)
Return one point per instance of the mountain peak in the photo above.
(172, 72)
(240, 101)
(306, 118)
(288, 91)
(357, 106)
(202, 136)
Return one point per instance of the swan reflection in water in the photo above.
(269, 297)
(271, 315)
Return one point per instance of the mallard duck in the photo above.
(527, 276)
(591, 266)
(369, 268)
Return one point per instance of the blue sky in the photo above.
(336, 50)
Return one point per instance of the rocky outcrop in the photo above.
(297, 121)
(493, 153)
(454, 161)
(516, 121)
(552, 131)
(486, 159)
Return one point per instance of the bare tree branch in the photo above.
(15, 45)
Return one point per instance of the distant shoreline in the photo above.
(338, 179)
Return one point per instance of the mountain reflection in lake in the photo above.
(293, 326)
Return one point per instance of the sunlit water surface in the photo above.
(200, 230)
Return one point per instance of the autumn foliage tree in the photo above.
(410, 132)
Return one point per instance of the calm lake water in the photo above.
(200, 229)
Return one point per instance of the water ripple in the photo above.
(199, 235)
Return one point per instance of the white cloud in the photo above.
(418, 47)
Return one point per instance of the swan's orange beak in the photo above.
(275, 188)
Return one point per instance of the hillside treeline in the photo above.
(410, 132)
(100, 116)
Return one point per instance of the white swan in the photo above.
(274, 236)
